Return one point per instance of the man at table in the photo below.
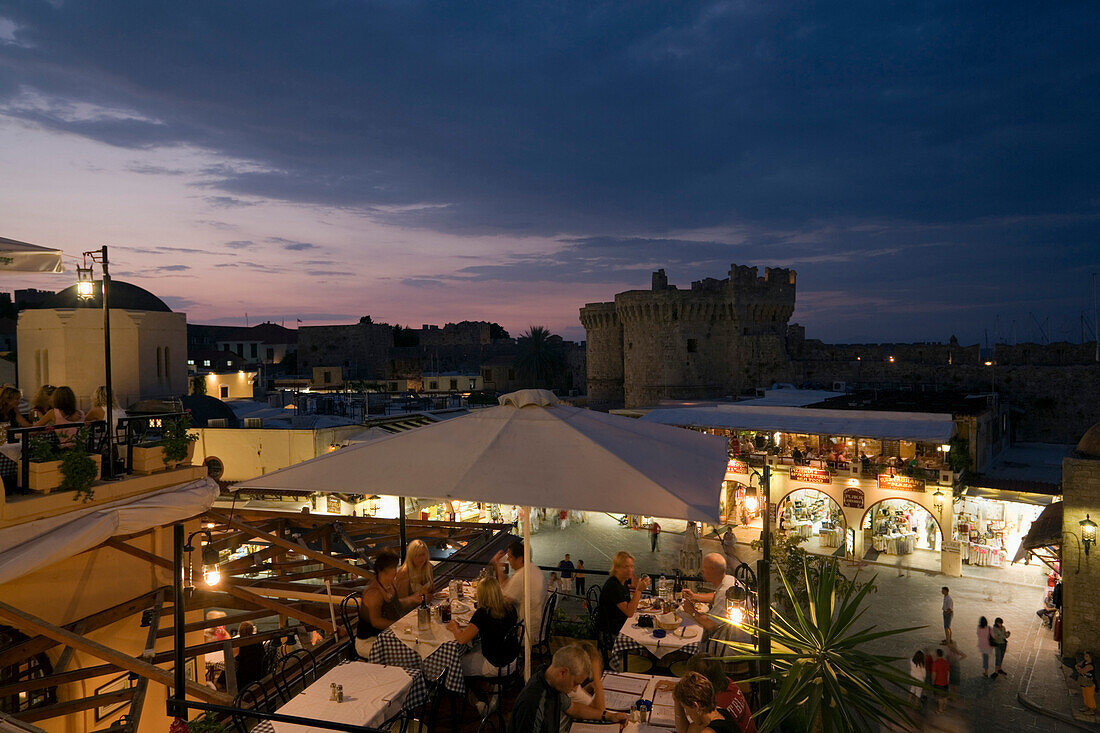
(544, 705)
(513, 584)
(619, 597)
(714, 573)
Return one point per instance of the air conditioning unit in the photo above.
(253, 422)
(840, 387)
(217, 422)
(760, 392)
(947, 477)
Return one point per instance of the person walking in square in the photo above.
(941, 679)
(654, 535)
(948, 613)
(566, 568)
(1000, 636)
(578, 577)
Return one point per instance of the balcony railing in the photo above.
(134, 430)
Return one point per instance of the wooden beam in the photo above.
(60, 678)
(28, 622)
(98, 620)
(281, 608)
(211, 623)
(75, 706)
(216, 646)
(138, 553)
(295, 547)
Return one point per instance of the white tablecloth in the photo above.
(830, 538)
(895, 544)
(424, 643)
(12, 450)
(804, 529)
(672, 641)
(372, 695)
(975, 554)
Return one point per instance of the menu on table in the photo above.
(594, 728)
(623, 683)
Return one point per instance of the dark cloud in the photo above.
(290, 244)
(255, 266)
(227, 202)
(240, 244)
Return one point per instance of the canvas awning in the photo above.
(1020, 497)
(28, 547)
(917, 427)
(22, 257)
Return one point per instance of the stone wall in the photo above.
(463, 333)
(1081, 573)
(362, 349)
(604, 358)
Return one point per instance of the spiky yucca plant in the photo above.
(819, 668)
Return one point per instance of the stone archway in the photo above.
(866, 521)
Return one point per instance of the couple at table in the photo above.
(394, 590)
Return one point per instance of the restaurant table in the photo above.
(897, 543)
(830, 537)
(430, 652)
(633, 639)
(804, 529)
(372, 695)
(14, 451)
(623, 689)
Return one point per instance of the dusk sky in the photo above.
(928, 168)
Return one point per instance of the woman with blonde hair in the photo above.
(414, 578)
(99, 408)
(492, 622)
(10, 398)
(41, 403)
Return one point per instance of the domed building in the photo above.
(61, 343)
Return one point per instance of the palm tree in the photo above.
(540, 355)
(819, 670)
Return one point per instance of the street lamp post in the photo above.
(85, 290)
(764, 588)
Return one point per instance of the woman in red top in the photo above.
(727, 695)
(941, 678)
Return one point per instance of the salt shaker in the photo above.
(339, 693)
(332, 692)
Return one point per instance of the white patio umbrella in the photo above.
(22, 257)
(530, 451)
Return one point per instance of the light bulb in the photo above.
(212, 576)
(735, 615)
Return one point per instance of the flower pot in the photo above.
(150, 459)
(43, 477)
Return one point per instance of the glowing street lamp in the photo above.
(937, 500)
(85, 286)
(1088, 532)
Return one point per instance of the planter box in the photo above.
(150, 459)
(46, 477)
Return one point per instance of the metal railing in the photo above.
(132, 430)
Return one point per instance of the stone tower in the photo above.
(1080, 577)
(718, 338)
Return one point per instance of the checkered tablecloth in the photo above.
(625, 645)
(388, 649)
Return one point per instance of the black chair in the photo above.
(592, 601)
(746, 576)
(541, 647)
(252, 697)
(504, 680)
(296, 668)
(349, 614)
(429, 712)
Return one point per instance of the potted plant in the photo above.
(45, 463)
(79, 470)
(175, 446)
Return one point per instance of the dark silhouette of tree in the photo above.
(496, 331)
(540, 357)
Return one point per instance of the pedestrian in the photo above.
(985, 644)
(948, 612)
(729, 547)
(916, 671)
(1086, 678)
(654, 535)
(954, 658)
(566, 568)
(1000, 636)
(578, 577)
(941, 678)
(563, 517)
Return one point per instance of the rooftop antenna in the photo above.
(1042, 331)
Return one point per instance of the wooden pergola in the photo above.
(294, 567)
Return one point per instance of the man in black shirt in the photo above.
(619, 597)
(566, 567)
(544, 705)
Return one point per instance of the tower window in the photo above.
(693, 346)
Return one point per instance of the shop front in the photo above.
(991, 523)
(864, 515)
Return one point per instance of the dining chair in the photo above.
(298, 666)
(541, 647)
(349, 615)
(506, 678)
(252, 697)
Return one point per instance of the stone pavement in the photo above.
(1034, 697)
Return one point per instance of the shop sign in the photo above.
(773, 511)
(333, 504)
(951, 546)
(811, 475)
(853, 498)
(899, 483)
(736, 466)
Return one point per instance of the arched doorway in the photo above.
(900, 527)
(815, 515)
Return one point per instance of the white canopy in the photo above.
(28, 547)
(914, 426)
(530, 451)
(22, 257)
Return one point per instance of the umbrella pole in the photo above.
(401, 524)
(527, 593)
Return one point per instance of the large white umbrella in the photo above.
(530, 451)
(22, 257)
